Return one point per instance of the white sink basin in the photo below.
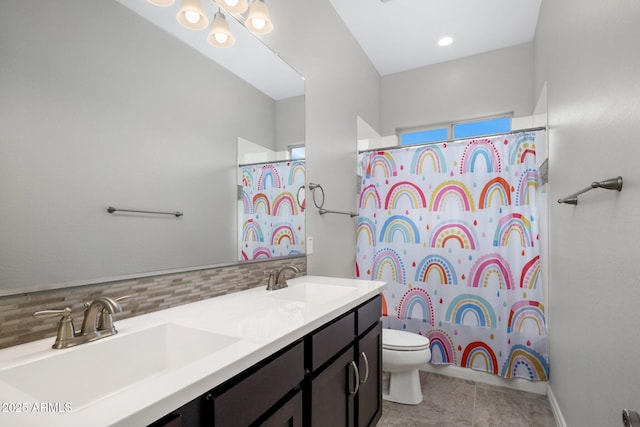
(86, 373)
(312, 293)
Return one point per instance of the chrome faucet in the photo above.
(281, 280)
(97, 322)
(277, 278)
(105, 307)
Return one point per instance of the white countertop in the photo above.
(247, 326)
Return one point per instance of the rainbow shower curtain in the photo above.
(271, 219)
(452, 228)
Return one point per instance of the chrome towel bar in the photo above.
(607, 184)
(313, 187)
(111, 210)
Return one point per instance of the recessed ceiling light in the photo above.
(445, 41)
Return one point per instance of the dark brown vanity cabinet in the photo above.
(345, 370)
(331, 377)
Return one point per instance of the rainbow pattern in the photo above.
(251, 232)
(479, 350)
(388, 260)
(455, 231)
(530, 273)
(261, 252)
(367, 228)
(405, 190)
(452, 190)
(497, 187)
(465, 304)
(402, 225)
(284, 200)
(260, 200)
(480, 148)
(382, 161)
(438, 265)
(513, 223)
(488, 266)
(385, 310)
(442, 346)
(432, 153)
(413, 299)
(296, 168)
(247, 205)
(369, 194)
(527, 186)
(283, 232)
(524, 146)
(269, 174)
(526, 311)
(452, 228)
(524, 362)
(267, 201)
(247, 177)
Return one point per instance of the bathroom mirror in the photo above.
(101, 107)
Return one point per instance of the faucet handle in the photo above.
(66, 330)
(271, 280)
(44, 314)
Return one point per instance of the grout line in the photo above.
(473, 412)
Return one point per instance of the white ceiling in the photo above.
(399, 35)
(396, 35)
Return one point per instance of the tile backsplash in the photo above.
(147, 294)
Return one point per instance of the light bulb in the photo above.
(258, 23)
(231, 3)
(221, 38)
(192, 16)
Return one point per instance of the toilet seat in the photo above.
(393, 339)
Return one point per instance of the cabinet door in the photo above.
(260, 389)
(332, 401)
(288, 415)
(370, 366)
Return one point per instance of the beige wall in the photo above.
(487, 84)
(340, 84)
(587, 53)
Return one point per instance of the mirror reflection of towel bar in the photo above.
(111, 210)
(607, 184)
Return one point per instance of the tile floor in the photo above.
(456, 402)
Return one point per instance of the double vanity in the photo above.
(307, 354)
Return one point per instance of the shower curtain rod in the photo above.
(270, 162)
(454, 140)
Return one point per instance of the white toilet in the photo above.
(402, 354)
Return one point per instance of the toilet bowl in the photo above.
(402, 354)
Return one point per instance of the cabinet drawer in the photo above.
(252, 396)
(328, 341)
(369, 314)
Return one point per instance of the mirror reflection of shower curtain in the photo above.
(453, 229)
(272, 223)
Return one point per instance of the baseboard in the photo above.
(537, 387)
(557, 414)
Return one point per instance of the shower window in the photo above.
(455, 130)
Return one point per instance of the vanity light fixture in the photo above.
(192, 16)
(445, 41)
(162, 3)
(220, 34)
(234, 6)
(258, 21)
